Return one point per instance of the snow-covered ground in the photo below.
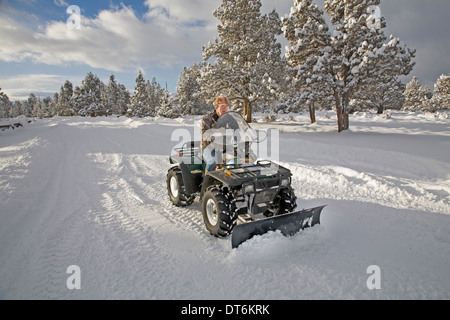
(92, 193)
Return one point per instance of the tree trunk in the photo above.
(380, 109)
(244, 109)
(342, 112)
(343, 118)
(247, 111)
(312, 113)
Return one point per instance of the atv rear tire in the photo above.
(176, 189)
(219, 212)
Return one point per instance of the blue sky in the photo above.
(38, 52)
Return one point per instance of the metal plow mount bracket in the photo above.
(289, 224)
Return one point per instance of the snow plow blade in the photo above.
(289, 224)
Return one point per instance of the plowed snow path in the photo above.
(93, 193)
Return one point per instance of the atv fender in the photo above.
(208, 181)
(188, 180)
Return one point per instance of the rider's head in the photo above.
(221, 105)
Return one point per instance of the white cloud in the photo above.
(61, 3)
(183, 11)
(19, 87)
(170, 33)
(114, 40)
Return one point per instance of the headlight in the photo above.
(249, 188)
(285, 182)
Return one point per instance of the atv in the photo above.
(245, 196)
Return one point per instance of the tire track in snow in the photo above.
(142, 180)
(67, 200)
(140, 261)
(188, 218)
(83, 223)
(47, 220)
(135, 207)
(14, 165)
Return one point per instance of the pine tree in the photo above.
(49, 109)
(78, 100)
(116, 97)
(26, 108)
(359, 56)
(15, 109)
(381, 96)
(91, 96)
(248, 65)
(38, 111)
(166, 106)
(416, 95)
(48, 105)
(5, 105)
(382, 69)
(139, 101)
(112, 96)
(187, 92)
(154, 95)
(124, 99)
(64, 104)
(441, 96)
(306, 30)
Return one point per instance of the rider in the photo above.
(209, 121)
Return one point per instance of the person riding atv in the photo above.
(247, 196)
(209, 121)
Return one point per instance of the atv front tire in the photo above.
(176, 189)
(219, 212)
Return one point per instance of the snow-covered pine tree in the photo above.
(116, 97)
(139, 106)
(382, 68)
(154, 94)
(166, 106)
(381, 96)
(78, 100)
(91, 96)
(16, 108)
(64, 105)
(38, 110)
(187, 92)
(359, 55)
(47, 105)
(124, 99)
(306, 30)
(49, 109)
(248, 65)
(111, 96)
(441, 95)
(416, 95)
(5, 105)
(26, 108)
